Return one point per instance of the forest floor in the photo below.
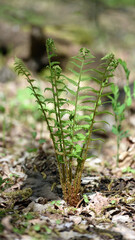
(31, 203)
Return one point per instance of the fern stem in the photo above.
(52, 84)
(75, 111)
(46, 119)
(79, 169)
(92, 123)
(56, 102)
(118, 140)
(58, 119)
(63, 149)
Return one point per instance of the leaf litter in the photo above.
(110, 210)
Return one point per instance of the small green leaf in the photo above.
(71, 91)
(48, 230)
(71, 81)
(58, 202)
(74, 63)
(78, 148)
(29, 216)
(31, 149)
(115, 130)
(134, 90)
(75, 73)
(129, 101)
(128, 170)
(98, 130)
(37, 227)
(2, 109)
(123, 134)
(86, 200)
(97, 139)
(113, 202)
(103, 112)
(77, 58)
(121, 109)
(58, 221)
(102, 122)
(41, 140)
(124, 65)
(48, 89)
(19, 231)
(128, 98)
(85, 107)
(34, 134)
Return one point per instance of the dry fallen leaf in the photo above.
(98, 202)
(75, 219)
(6, 223)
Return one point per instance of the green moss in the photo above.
(12, 197)
(24, 194)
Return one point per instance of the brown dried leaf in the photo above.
(6, 223)
(98, 202)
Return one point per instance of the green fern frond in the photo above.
(21, 69)
(102, 121)
(71, 80)
(74, 72)
(88, 108)
(99, 130)
(75, 64)
(71, 91)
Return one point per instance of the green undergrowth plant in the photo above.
(71, 111)
(119, 109)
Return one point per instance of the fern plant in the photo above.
(71, 121)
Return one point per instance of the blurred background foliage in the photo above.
(101, 25)
(52, 12)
